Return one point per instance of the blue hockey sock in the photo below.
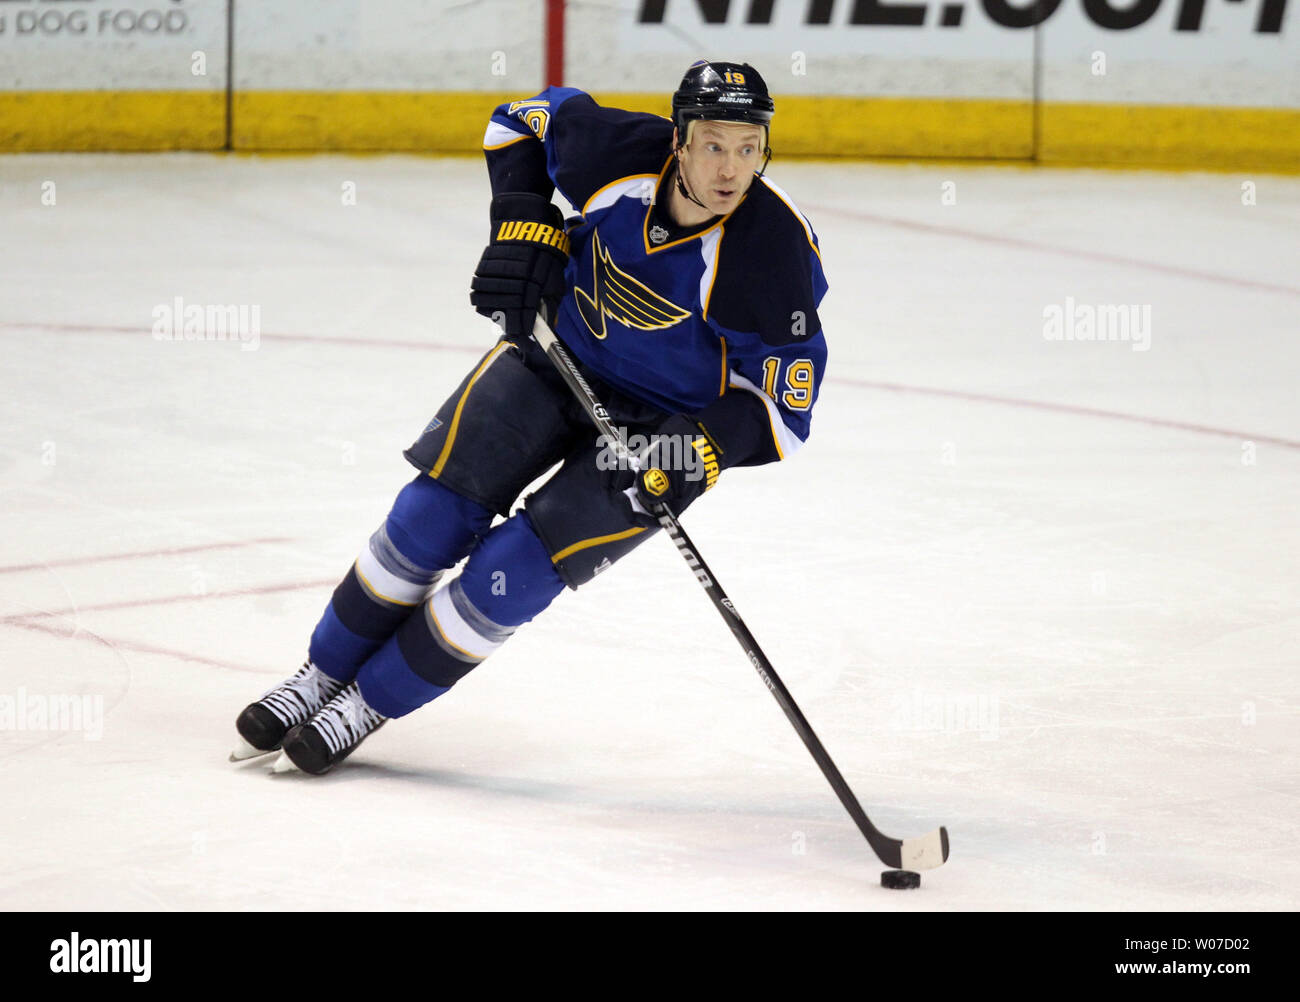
(429, 529)
(508, 580)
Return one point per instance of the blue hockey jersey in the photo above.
(718, 321)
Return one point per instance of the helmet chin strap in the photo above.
(681, 183)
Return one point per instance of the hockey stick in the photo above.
(922, 853)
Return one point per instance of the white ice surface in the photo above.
(1069, 637)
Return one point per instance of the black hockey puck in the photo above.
(900, 880)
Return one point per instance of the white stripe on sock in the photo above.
(378, 580)
(455, 630)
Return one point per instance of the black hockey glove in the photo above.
(679, 465)
(523, 267)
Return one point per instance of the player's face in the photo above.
(720, 162)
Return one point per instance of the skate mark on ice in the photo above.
(119, 645)
(81, 633)
(25, 618)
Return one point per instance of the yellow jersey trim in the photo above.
(508, 142)
(460, 406)
(596, 194)
(594, 541)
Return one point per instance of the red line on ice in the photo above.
(141, 554)
(360, 342)
(1044, 405)
(1005, 241)
(832, 380)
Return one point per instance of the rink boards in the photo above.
(1198, 83)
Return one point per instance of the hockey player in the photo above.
(686, 286)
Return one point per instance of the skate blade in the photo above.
(244, 751)
(283, 764)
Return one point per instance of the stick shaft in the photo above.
(885, 847)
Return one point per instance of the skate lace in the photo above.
(346, 719)
(296, 699)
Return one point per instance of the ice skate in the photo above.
(263, 724)
(331, 735)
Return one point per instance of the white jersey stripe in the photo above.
(787, 442)
(498, 135)
(709, 245)
(803, 220)
(639, 186)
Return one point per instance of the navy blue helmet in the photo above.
(721, 92)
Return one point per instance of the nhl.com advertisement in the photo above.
(1205, 32)
(1189, 15)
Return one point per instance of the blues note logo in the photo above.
(619, 296)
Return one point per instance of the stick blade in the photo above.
(926, 852)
